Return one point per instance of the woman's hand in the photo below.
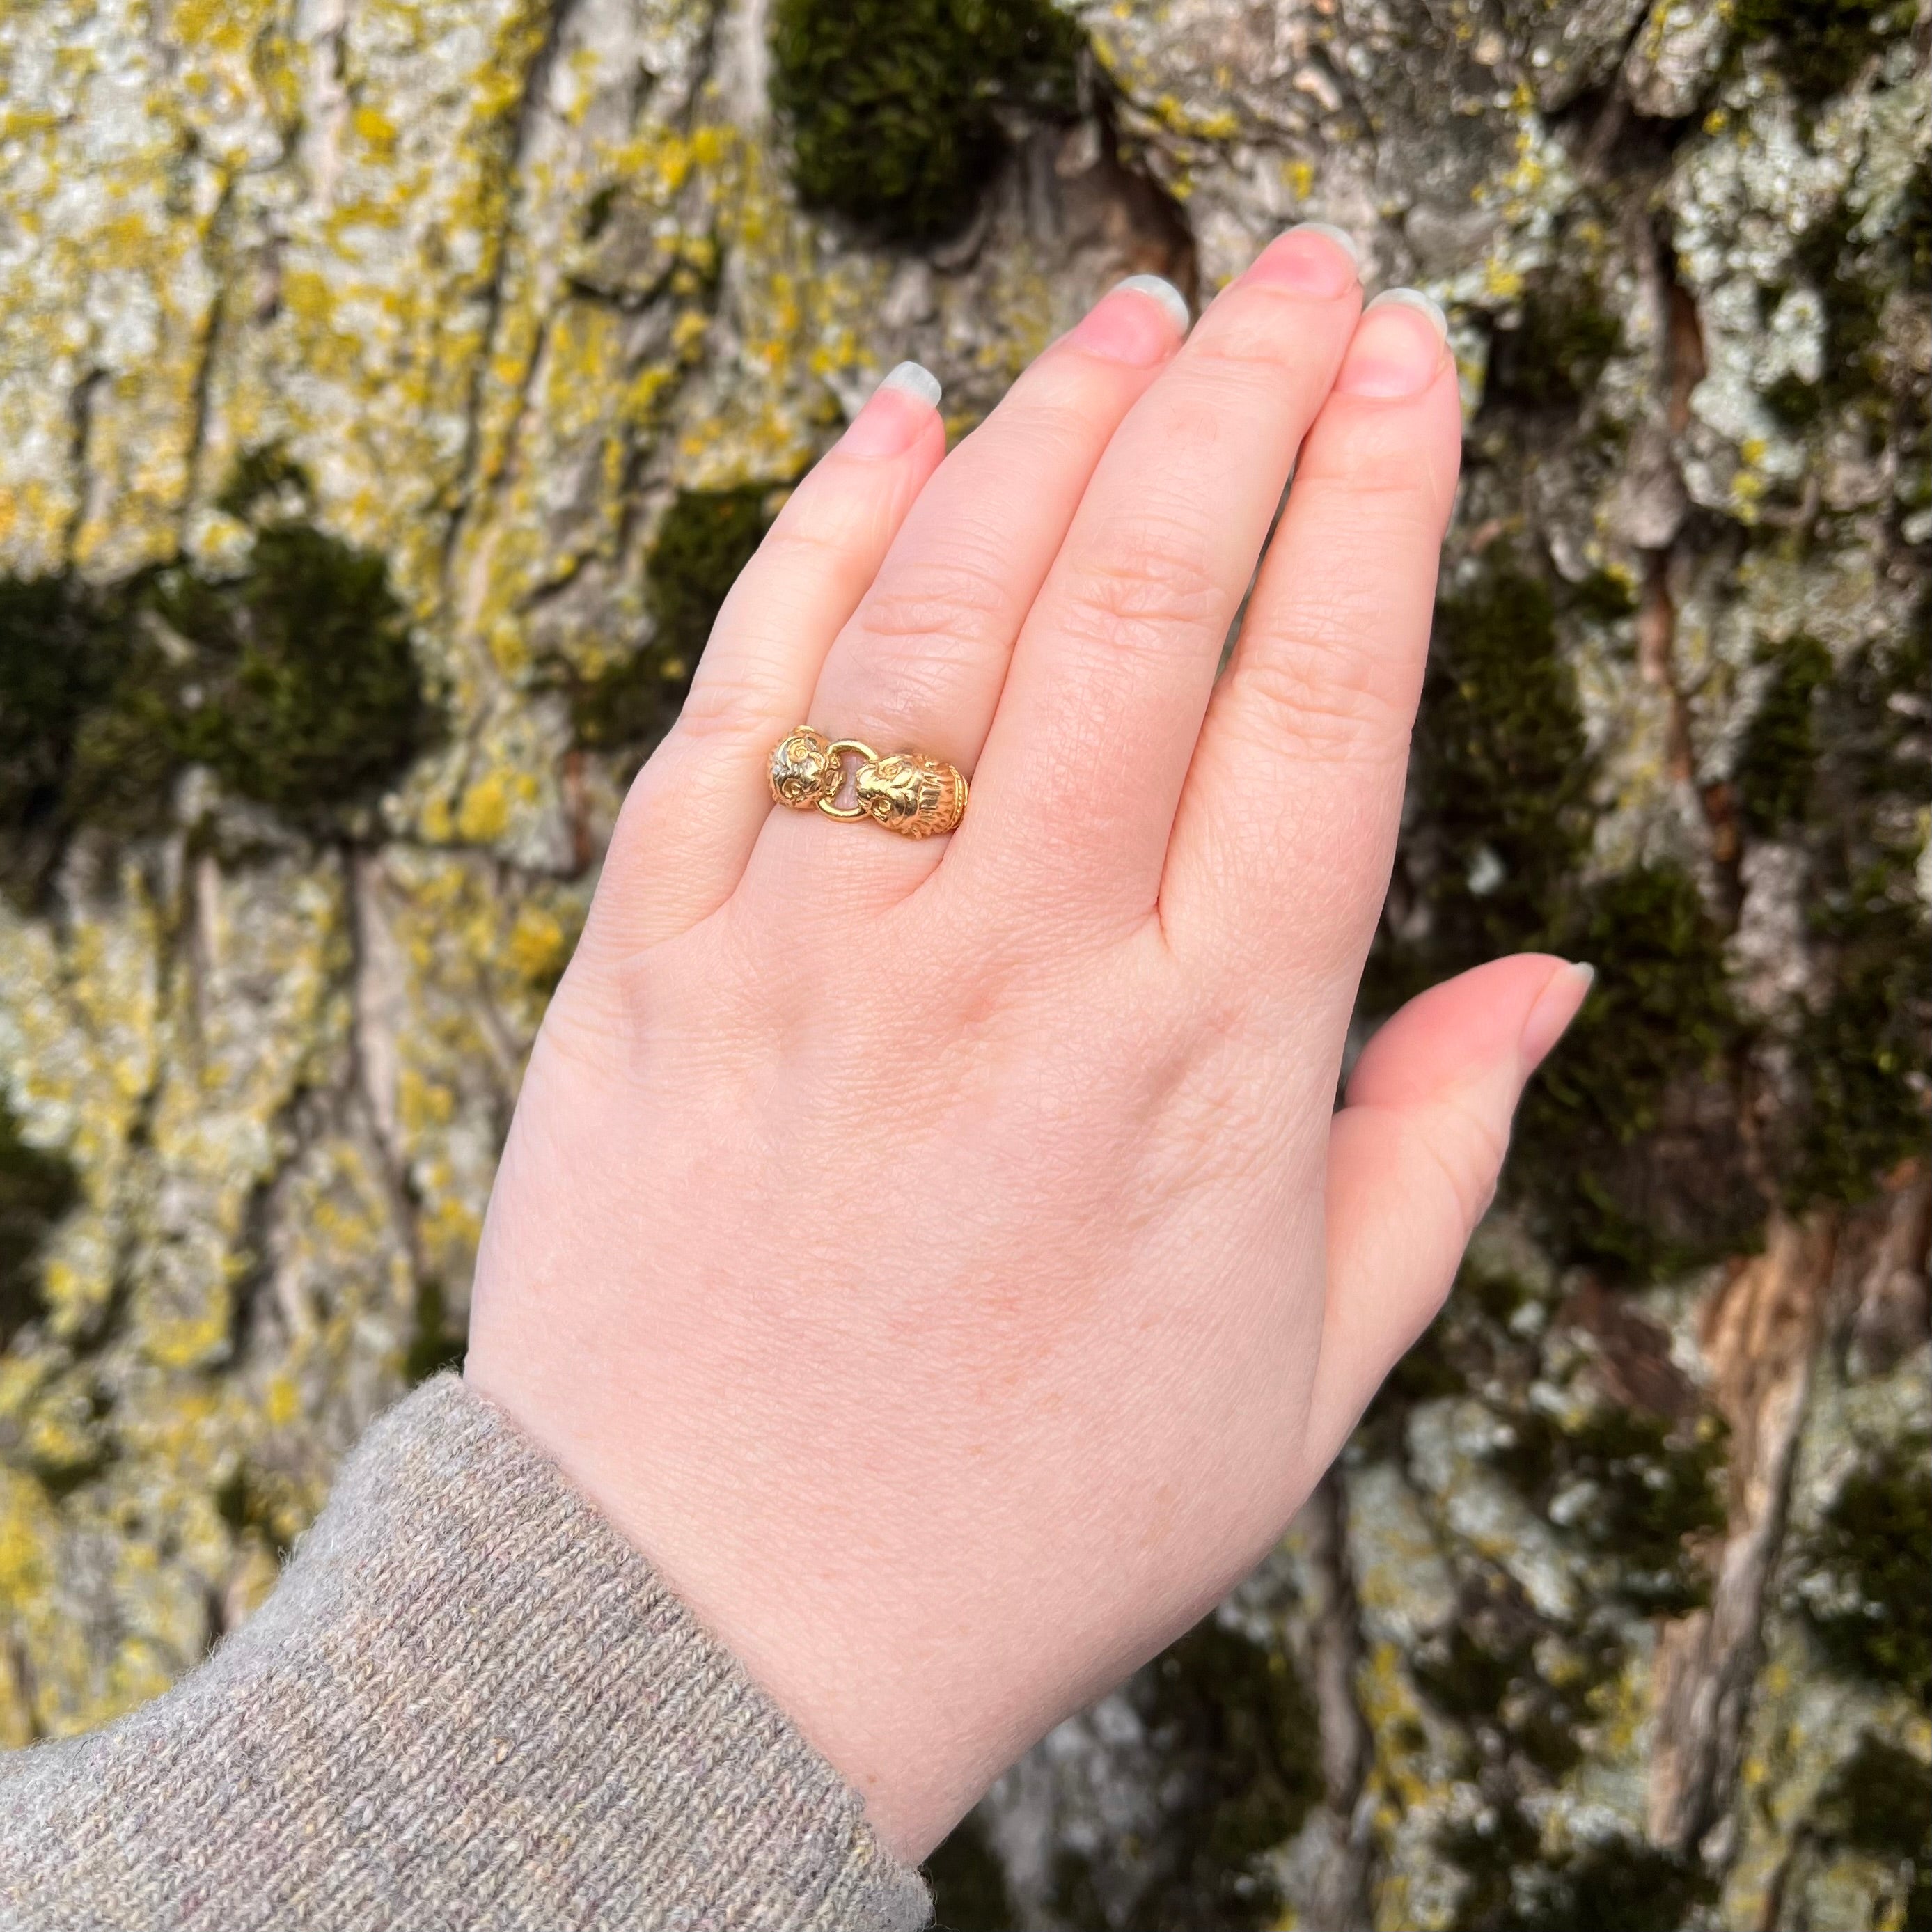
(944, 1260)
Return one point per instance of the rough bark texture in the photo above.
(387, 391)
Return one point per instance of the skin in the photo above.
(945, 1261)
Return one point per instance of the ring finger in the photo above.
(921, 663)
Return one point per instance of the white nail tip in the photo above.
(1422, 303)
(915, 380)
(1169, 297)
(1341, 239)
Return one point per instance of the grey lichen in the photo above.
(385, 419)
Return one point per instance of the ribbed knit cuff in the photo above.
(469, 1703)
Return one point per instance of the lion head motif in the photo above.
(805, 769)
(913, 796)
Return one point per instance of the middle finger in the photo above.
(1078, 785)
(919, 665)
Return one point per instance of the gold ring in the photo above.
(907, 793)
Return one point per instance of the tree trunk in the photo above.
(438, 365)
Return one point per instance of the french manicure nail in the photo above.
(1140, 330)
(1397, 347)
(1422, 305)
(913, 379)
(1556, 1006)
(1341, 239)
(1311, 260)
(1169, 297)
(895, 413)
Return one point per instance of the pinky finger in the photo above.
(1413, 1160)
(696, 808)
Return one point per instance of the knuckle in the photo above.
(804, 543)
(721, 707)
(1249, 349)
(1048, 414)
(1374, 469)
(908, 651)
(1320, 696)
(921, 693)
(802, 528)
(1466, 1148)
(1147, 580)
(936, 602)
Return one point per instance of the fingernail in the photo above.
(1138, 321)
(1422, 305)
(1341, 239)
(1397, 347)
(1313, 259)
(896, 414)
(1556, 1006)
(913, 379)
(1169, 297)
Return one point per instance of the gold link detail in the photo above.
(907, 793)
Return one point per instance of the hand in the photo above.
(944, 1261)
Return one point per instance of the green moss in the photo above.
(1427, 1373)
(1501, 781)
(969, 1887)
(1618, 1885)
(1627, 1150)
(1626, 1156)
(37, 1188)
(1604, 596)
(706, 538)
(1649, 1492)
(436, 1343)
(245, 1503)
(302, 690)
(1482, 1671)
(1076, 1892)
(1914, 224)
(1863, 1053)
(1488, 1854)
(292, 679)
(1864, 1044)
(1623, 1886)
(1498, 1294)
(266, 476)
(895, 108)
(1779, 753)
(1796, 403)
(1873, 1552)
(1823, 44)
(1469, 1345)
(1242, 1711)
(1236, 1737)
(1852, 284)
(62, 648)
(1659, 998)
(1466, 1673)
(1879, 1802)
(1630, 1156)
(1236, 1713)
(1552, 359)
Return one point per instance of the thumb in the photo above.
(1413, 1159)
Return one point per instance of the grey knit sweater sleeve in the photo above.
(468, 1703)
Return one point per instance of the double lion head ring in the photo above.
(906, 793)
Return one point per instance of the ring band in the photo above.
(907, 792)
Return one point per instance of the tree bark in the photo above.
(1600, 1611)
